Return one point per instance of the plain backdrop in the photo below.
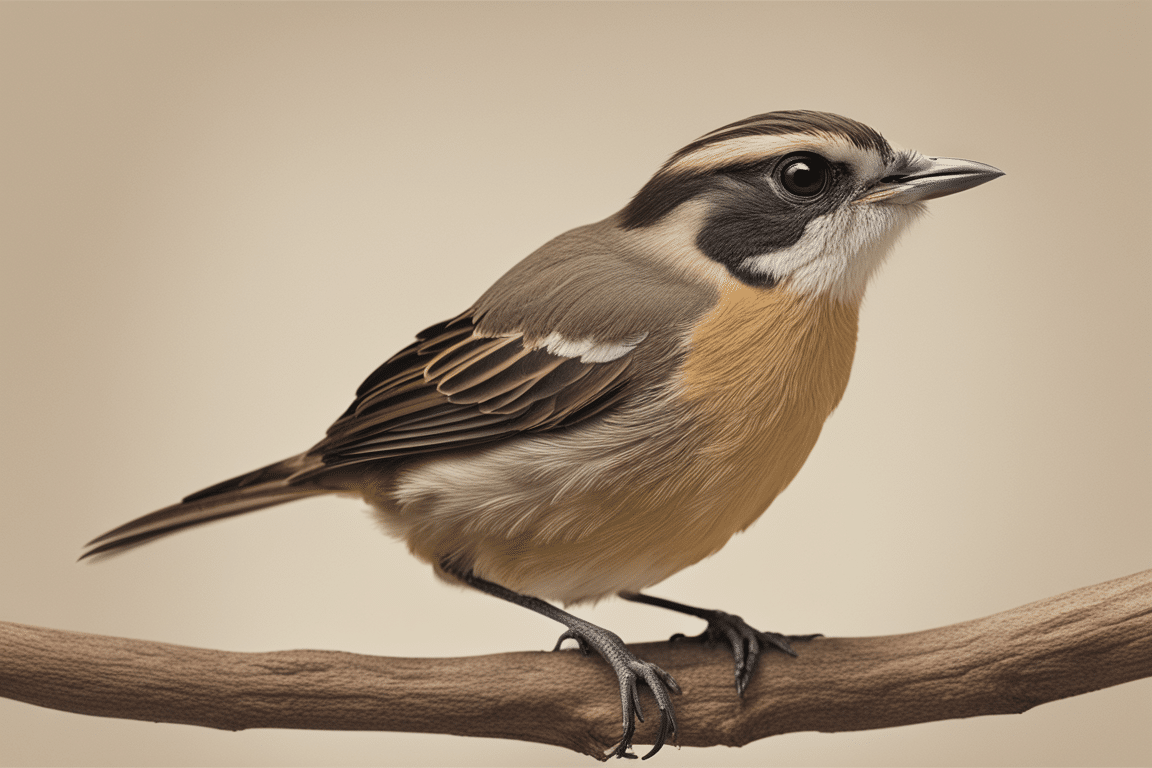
(216, 219)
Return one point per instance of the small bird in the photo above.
(630, 395)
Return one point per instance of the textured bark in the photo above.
(1077, 642)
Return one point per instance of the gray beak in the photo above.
(923, 178)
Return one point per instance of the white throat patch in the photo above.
(840, 251)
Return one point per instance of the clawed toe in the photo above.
(570, 635)
(745, 641)
(629, 669)
(630, 672)
(660, 683)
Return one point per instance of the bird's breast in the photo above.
(766, 367)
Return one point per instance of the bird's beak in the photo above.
(922, 178)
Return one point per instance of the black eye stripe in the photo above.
(761, 217)
(776, 167)
(753, 215)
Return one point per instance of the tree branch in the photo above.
(1077, 642)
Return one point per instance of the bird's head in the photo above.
(808, 199)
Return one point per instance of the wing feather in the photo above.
(452, 388)
(469, 383)
(566, 375)
(460, 356)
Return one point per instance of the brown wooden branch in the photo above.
(1077, 642)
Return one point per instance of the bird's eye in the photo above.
(804, 175)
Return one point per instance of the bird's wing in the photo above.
(453, 388)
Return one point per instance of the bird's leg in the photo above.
(745, 641)
(611, 648)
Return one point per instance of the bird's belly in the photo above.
(577, 519)
(581, 547)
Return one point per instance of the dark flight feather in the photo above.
(451, 390)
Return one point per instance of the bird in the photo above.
(630, 395)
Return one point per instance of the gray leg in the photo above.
(611, 648)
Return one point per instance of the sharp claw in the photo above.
(667, 726)
(738, 655)
(749, 665)
(780, 642)
(659, 743)
(636, 701)
(626, 740)
(622, 751)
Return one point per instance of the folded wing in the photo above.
(454, 388)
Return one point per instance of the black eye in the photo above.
(804, 175)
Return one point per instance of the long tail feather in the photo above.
(266, 487)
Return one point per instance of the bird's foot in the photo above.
(746, 642)
(629, 671)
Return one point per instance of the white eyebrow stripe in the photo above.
(742, 148)
(587, 350)
(760, 147)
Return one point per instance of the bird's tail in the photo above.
(265, 487)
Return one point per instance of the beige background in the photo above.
(217, 219)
